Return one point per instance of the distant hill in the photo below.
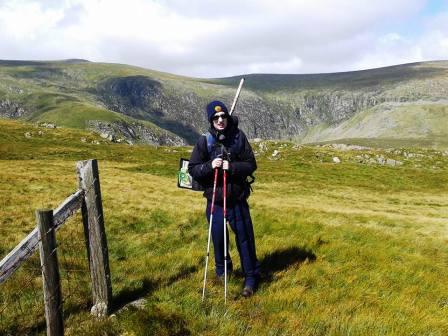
(402, 103)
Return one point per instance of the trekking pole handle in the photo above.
(236, 96)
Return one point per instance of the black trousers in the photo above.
(238, 216)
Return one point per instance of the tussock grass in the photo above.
(346, 249)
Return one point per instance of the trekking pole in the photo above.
(225, 233)
(210, 231)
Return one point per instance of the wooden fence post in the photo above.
(50, 273)
(95, 234)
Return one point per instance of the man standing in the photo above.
(225, 147)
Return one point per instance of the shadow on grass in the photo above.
(154, 321)
(37, 328)
(282, 259)
(129, 295)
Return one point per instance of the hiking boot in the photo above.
(247, 291)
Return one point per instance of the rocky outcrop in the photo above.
(333, 107)
(9, 109)
(120, 131)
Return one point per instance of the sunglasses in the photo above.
(217, 116)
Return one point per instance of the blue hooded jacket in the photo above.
(234, 145)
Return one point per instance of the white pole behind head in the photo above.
(236, 96)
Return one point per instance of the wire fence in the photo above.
(21, 300)
(22, 310)
(25, 302)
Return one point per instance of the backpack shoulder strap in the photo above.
(210, 142)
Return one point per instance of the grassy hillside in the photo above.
(421, 123)
(377, 103)
(385, 77)
(346, 249)
(69, 93)
(56, 90)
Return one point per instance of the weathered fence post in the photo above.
(50, 273)
(96, 241)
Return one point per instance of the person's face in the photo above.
(220, 121)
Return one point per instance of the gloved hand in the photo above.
(217, 163)
(225, 165)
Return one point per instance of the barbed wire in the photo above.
(74, 267)
(21, 300)
(22, 309)
(31, 248)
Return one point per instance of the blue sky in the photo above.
(212, 39)
(416, 24)
(435, 6)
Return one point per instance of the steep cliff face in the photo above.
(129, 95)
(292, 116)
(261, 115)
(143, 98)
(182, 111)
(290, 106)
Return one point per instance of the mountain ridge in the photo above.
(299, 107)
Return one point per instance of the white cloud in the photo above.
(219, 38)
(23, 21)
(393, 48)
